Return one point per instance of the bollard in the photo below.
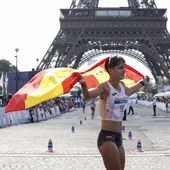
(123, 129)
(73, 129)
(85, 118)
(139, 146)
(130, 135)
(50, 146)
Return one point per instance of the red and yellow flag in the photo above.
(51, 83)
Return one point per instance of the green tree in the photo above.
(6, 66)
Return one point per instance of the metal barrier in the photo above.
(25, 116)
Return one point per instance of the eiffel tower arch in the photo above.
(86, 31)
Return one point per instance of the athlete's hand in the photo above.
(146, 79)
(82, 81)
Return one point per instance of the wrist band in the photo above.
(142, 82)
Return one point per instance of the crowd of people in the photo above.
(65, 104)
(4, 99)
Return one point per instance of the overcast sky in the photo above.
(31, 26)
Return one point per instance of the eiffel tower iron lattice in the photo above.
(86, 31)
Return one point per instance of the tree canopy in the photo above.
(6, 66)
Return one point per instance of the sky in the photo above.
(31, 26)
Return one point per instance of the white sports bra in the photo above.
(113, 108)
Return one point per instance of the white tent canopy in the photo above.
(166, 94)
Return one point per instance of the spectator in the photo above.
(154, 106)
(131, 107)
(166, 105)
(93, 105)
(84, 105)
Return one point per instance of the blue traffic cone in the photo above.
(123, 128)
(50, 146)
(139, 146)
(130, 135)
(73, 129)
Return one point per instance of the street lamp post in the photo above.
(16, 72)
(37, 59)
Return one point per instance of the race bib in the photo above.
(119, 107)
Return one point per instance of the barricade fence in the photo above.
(159, 105)
(43, 113)
(27, 116)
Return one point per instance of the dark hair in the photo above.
(113, 61)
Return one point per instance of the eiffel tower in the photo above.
(86, 30)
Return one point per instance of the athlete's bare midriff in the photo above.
(111, 125)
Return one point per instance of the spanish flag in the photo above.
(51, 83)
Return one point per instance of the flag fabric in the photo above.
(51, 83)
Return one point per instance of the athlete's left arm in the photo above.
(134, 88)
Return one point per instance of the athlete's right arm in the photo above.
(90, 94)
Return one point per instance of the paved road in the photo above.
(25, 146)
